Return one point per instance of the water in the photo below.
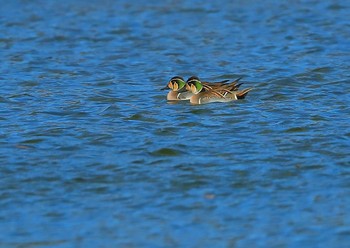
(92, 155)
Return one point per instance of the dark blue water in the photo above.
(92, 155)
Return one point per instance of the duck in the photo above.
(226, 92)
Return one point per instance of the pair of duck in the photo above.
(199, 92)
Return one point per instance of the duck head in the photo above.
(175, 84)
(194, 85)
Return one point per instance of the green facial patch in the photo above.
(180, 83)
(198, 84)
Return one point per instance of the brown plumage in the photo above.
(225, 92)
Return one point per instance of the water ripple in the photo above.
(89, 143)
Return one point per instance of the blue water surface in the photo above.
(92, 154)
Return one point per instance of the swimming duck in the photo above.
(225, 93)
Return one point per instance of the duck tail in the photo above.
(234, 85)
(238, 79)
(237, 86)
(242, 94)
